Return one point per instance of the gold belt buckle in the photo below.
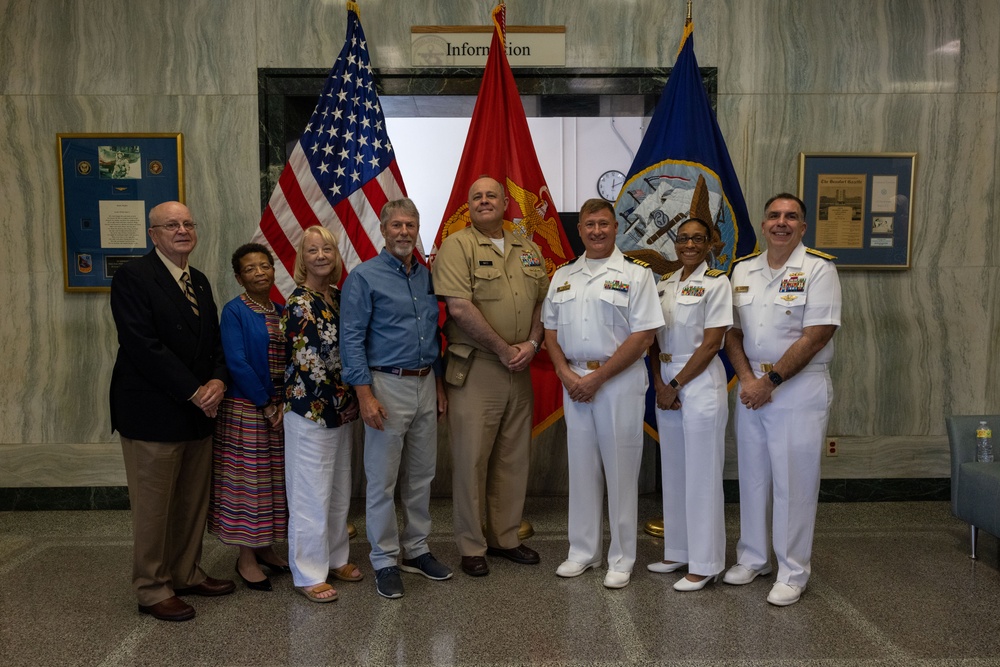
(666, 357)
(767, 368)
(593, 365)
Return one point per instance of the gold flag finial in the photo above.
(686, 22)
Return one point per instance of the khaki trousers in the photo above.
(490, 422)
(168, 489)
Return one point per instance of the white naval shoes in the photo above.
(685, 585)
(570, 568)
(662, 568)
(783, 594)
(738, 574)
(616, 579)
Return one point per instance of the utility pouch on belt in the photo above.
(458, 360)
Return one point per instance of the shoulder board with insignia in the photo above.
(821, 254)
(566, 263)
(740, 259)
(666, 276)
(714, 273)
(637, 262)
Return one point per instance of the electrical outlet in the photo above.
(831, 447)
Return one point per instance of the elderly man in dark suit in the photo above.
(167, 383)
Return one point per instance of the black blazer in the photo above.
(164, 353)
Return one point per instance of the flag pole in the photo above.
(655, 527)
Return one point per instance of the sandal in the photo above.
(319, 588)
(344, 572)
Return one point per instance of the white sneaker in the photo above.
(616, 579)
(570, 568)
(738, 574)
(782, 594)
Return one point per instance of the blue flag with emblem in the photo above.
(681, 170)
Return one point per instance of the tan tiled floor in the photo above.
(892, 585)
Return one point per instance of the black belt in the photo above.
(403, 372)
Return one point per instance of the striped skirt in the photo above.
(248, 506)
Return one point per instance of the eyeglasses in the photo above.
(175, 226)
(697, 239)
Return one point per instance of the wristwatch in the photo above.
(674, 383)
(534, 344)
(775, 378)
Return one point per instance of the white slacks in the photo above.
(692, 454)
(606, 433)
(779, 448)
(318, 487)
(406, 449)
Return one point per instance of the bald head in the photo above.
(487, 203)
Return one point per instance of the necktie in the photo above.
(189, 292)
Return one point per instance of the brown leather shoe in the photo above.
(475, 566)
(208, 588)
(171, 609)
(519, 554)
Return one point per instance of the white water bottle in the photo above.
(984, 444)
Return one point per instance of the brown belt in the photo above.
(402, 372)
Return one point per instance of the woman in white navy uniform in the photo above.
(692, 409)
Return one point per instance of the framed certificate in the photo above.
(859, 207)
(107, 184)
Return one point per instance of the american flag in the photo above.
(341, 171)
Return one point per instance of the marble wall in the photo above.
(794, 75)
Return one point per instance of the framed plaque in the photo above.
(107, 184)
(859, 207)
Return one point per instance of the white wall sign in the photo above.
(468, 46)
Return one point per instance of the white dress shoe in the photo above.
(570, 568)
(662, 568)
(738, 574)
(684, 584)
(782, 594)
(616, 579)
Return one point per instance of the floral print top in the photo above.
(313, 387)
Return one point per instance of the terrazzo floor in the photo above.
(892, 584)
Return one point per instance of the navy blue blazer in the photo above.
(165, 353)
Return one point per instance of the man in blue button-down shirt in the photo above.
(390, 349)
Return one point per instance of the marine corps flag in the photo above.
(682, 169)
(499, 145)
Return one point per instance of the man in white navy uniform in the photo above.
(786, 306)
(600, 316)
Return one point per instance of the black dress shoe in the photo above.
(171, 609)
(208, 588)
(262, 585)
(519, 554)
(273, 567)
(475, 566)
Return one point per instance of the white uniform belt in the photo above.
(669, 358)
(589, 365)
(766, 367)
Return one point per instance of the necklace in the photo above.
(258, 304)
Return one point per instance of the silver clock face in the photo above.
(609, 185)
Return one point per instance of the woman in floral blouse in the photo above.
(318, 407)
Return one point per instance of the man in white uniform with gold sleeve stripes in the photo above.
(600, 316)
(786, 306)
